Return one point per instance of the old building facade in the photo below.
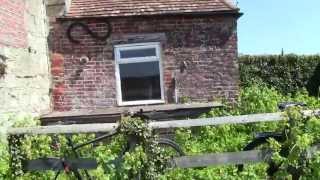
(157, 52)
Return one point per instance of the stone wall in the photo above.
(56, 8)
(23, 49)
(199, 52)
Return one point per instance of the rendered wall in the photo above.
(23, 49)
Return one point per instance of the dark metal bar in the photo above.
(112, 133)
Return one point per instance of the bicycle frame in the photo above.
(64, 163)
(262, 138)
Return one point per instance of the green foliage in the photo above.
(184, 99)
(294, 156)
(287, 74)
(7, 121)
(303, 96)
(258, 99)
(147, 158)
(262, 99)
(229, 138)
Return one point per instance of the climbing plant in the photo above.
(148, 162)
(144, 159)
(296, 157)
(147, 159)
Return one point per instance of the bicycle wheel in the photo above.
(260, 140)
(170, 147)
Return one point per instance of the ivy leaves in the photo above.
(147, 159)
(295, 157)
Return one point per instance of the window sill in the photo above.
(148, 102)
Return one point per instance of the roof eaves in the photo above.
(235, 12)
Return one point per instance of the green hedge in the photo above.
(287, 73)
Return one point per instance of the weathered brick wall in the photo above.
(206, 45)
(12, 24)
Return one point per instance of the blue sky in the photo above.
(267, 26)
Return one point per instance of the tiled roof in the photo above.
(116, 8)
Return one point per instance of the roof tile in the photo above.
(116, 8)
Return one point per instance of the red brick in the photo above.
(12, 27)
(58, 90)
(56, 60)
(57, 71)
(211, 71)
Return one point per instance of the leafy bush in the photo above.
(229, 138)
(293, 157)
(210, 139)
(7, 121)
(287, 74)
(145, 160)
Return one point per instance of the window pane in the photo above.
(138, 53)
(140, 81)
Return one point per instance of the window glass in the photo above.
(140, 81)
(134, 53)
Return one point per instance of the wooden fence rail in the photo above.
(109, 127)
(204, 160)
(229, 158)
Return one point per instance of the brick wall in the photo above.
(206, 45)
(12, 26)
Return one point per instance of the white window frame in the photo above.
(119, 60)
